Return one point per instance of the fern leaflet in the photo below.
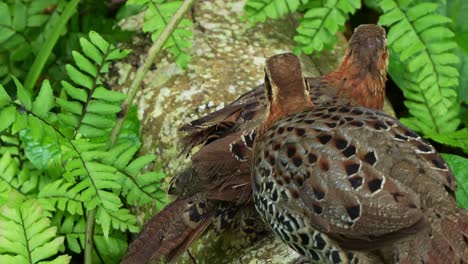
(319, 25)
(27, 236)
(260, 10)
(422, 64)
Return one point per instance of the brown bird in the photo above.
(347, 184)
(219, 179)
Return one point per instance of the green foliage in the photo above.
(27, 235)
(260, 10)
(319, 26)
(421, 44)
(459, 166)
(55, 151)
(158, 14)
(21, 26)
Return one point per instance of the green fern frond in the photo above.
(423, 64)
(19, 36)
(260, 10)
(319, 26)
(158, 14)
(27, 236)
(62, 196)
(73, 228)
(90, 109)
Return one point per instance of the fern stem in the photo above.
(89, 244)
(153, 52)
(46, 48)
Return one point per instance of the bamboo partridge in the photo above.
(347, 184)
(219, 180)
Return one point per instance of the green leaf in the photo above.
(423, 65)
(319, 25)
(97, 40)
(459, 166)
(84, 64)
(79, 77)
(4, 97)
(44, 100)
(8, 116)
(260, 10)
(156, 19)
(27, 234)
(23, 95)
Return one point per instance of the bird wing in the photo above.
(356, 174)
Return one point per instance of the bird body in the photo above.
(346, 184)
(219, 177)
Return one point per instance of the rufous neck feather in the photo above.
(363, 72)
(285, 87)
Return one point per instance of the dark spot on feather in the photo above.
(249, 139)
(326, 116)
(293, 220)
(297, 161)
(298, 249)
(344, 109)
(274, 195)
(314, 255)
(330, 125)
(332, 109)
(439, 163)
(194, 215)
(341, 143)
(237, 151)
(269, 186)
(312, 158)
(370, 158)
(248, 116)
(291, 151)
(317, 209)
(280, 130)
(348, 118)
(356, 123)
(324, 138)
(400, 137)
(374, 185)
(335, 118)
(354, 212)
(379, 125)
(276, 146)
(300, 132)
(356, 181)
(352, 168)
(424, 148)
(272, 160)
(324, 165)
(320, 243)
(410, 133)
(335, 257)
(299, 180)
(319, 194)
(289, 129)
(349, 151)
(357, 112)
(294, 193)
(309, 121)
(389, 123)
(305, 239)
